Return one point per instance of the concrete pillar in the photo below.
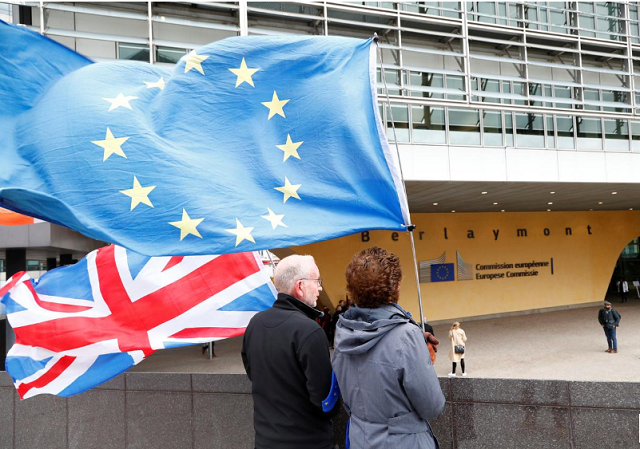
(66, 259)
(51, 263)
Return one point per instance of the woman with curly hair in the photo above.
(381, 361)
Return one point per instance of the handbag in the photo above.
(458, 349)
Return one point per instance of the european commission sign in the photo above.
(438, 270)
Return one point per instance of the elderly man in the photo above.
(286, 355)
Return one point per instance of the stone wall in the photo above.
(192, 411)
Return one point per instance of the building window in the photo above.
(400, 117)
(133, 52)
(457, 83)
(530, 130)
(426, 85)
(392, 79)
(551, 140)
(635, 136)
(589, 133)
(508, 127)
(565, 133)
(616, 135)
(492, 125)
(169, 55)
(428, 124)
(6, 12)
(431, 8)
(36, 265)
(464, 127)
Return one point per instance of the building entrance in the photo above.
(628, 268)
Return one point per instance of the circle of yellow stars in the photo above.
(112, 145)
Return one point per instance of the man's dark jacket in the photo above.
(608, 318)
(286, 355)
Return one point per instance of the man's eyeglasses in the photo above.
(319, 280)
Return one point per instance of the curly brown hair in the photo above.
(373, 277)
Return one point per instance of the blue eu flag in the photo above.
(248, 143)
(442, 272)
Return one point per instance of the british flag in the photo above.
(81, 325)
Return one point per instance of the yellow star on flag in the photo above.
(120, 101)
(187, 225)
(244, 74)
(138, 194)
(111, 145)
(275, 220)
(275, 106)
(289, 190)
(241, 233)
(290, 148)
(160, 84)
(193, 61)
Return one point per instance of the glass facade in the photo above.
(553, 75)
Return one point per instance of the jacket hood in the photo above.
(360, 329)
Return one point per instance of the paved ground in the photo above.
(565, 345)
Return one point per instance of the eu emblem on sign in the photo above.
(442, 272)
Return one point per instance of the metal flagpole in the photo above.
(410, 227)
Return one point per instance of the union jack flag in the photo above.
(81, 325)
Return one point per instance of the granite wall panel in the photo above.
(223, 421)
(605, 428)
(40, 422)
(605, 394)
(6, 416)
(198, 411)
(481, 426)
(97, 420)
(158, 420)
(517, 391)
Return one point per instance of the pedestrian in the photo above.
(389, 386)
(609, 319)
(325, 322)
(349, 304)
(458, 346)
(623, 288)
(286, 356)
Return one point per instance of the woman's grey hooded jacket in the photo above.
(388, 384)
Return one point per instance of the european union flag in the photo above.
(249, 143)
(442, 272)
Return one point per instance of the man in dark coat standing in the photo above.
(609, 319)
(286, 355)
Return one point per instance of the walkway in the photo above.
(565, 345)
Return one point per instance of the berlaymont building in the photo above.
(518, 126)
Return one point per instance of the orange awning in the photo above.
(9, 218)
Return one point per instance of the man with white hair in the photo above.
(286, 355)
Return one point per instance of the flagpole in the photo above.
(410, 227)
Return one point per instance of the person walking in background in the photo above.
(458, 345)
(389, 387)
(609, 319)
(623, 288)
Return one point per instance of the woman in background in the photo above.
(458, 343)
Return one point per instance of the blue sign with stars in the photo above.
(442, 272)
(248, 143)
